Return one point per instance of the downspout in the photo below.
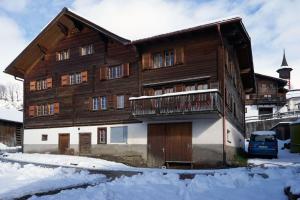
(223, 107)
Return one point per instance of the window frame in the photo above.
(169, 57)
(99, 141)
(63, 55)
(95, 103)
(120, 101)
(103, 106)
(44, 137)
(115, 72)
(88, 49)
(158, 58)
(125, 135)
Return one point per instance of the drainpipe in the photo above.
(223, 107)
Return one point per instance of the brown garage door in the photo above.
(169, 142)
(84, 143)
(63, 143)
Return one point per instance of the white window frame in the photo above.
(158, 60)
(203, 86)
(115, 72)
(168, 90)
(120, 102)
(158, 92)
(63, 55)
(190, 87)
(87, 50)
(169, 58)
(103, 102)
(95, 103)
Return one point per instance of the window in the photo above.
(169, 58)
(158, 92)
(118, 134)
(102, 136)
(168, 90)
(63, 55)
(202, 86)
(41, 84)
(267, 96)
(87, 50)
(157, 60)
(190, 87)
(115, 72)
(103, 103)
(75, 78)
(120, 101)
(247, 96)
(95, 103)
(45, 109)
(44, 137)
(51, 109)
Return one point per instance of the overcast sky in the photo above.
(272, 24)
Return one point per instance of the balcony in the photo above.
(180, 103)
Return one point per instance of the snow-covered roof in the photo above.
(296, 122)
(175, 94)
(293, 94)
(11, 114)
(263, 133)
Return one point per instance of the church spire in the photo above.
(284, 62)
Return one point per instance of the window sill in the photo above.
(164, 67)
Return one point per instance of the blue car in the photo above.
(263, 143)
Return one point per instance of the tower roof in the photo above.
(284, 62)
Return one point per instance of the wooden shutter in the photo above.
(104, 73)
(56, 108)
(126, 71)
(32, 86)
(49, 83)
(180, 88)
(147, 61)
(90, 103)
(179, 55)
(110, 101)
(65, 80)
(149, 92)
(114, 101)
(126, 101)
(31, 110)
(84, 76)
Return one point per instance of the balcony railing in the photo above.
(191, 102)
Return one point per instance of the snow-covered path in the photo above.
(17, 181)
(235, 185)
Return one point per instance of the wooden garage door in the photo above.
(156, 144)
(85, 143)
(179, 142)
(169, 142)
(63, 142)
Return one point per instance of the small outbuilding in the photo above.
(11, 127)
(282, 130)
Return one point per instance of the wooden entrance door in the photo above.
(169, 142)
(85, 143)
(63, 143)
(156, 144)
(179, 142)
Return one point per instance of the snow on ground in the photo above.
(285, 158)
(4, 147)
(236, 185)
(17, 181)
(64, 160)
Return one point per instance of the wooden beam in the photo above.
(245, 71)
(64, 29)
(43, 49)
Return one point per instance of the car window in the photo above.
(262, 138)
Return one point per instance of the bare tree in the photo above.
(3, 92)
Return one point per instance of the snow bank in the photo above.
(5, 148)
(65, 160)
(11, 114)
(17, 181)
(236, 185)
(263, 133)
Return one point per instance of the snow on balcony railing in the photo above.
(187, 102)
(279, 115)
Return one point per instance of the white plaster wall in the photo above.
(234, 137)
(207, 131)
(137, 134)
(252, 110)
(293, 103)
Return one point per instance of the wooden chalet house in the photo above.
(176, 98)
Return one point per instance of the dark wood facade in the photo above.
(214, 56)
(11, 133)
(270, 90)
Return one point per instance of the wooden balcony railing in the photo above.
(191, 102)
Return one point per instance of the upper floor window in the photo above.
(157, 60)
(41, 84)
(168, 90)
(190, 87)
(87, 50)
(95, 103)
(115, 72)
(103, 103)
(45, 109)
(120, 101)
(202, 86)
(75, 78)
(63, 55)
(158, 92)
(169, 58)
